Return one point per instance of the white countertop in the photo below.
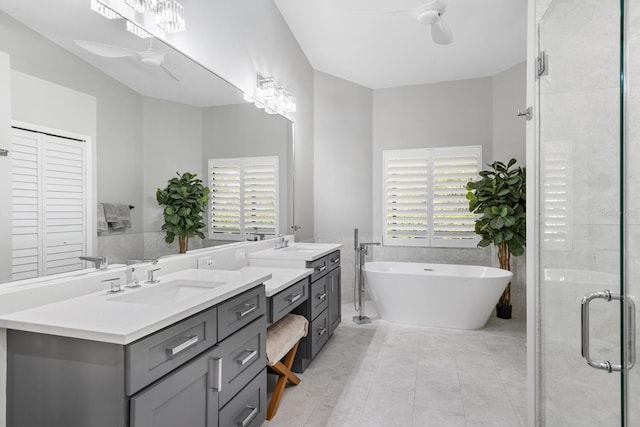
(281, 278)
(107, 318)
(294, 256)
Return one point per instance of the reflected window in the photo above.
(556, 203)
(243, 198)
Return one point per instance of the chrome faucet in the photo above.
(101, 262)
(282, 242)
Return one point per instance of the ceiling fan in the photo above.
(429, 13)
(151, 57)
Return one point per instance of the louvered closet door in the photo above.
(260, 197)
(48, 204)
(25, 205)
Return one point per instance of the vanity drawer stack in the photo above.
(205, 370)
(322, 309)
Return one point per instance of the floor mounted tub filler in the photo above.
(442, 295)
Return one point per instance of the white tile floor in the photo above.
(385, 374)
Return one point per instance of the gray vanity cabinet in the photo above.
(184, 375)
(287, 300)
(322, 309)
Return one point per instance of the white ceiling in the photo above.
(389, 50)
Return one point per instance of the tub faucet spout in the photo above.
(364, 247)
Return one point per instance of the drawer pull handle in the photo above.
(322, 331)
(192, 340)
(320, 269)
(335, 260)
(251, 308)
(215, 374)
(250, 417)
(293, 298)
(321, 296)
(249, 358)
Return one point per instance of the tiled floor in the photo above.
(385, 374)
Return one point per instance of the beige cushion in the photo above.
(283, 335)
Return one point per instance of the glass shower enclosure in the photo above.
(588, 212)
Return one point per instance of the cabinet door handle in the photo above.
(322, 331)
(192, 340)
(214, 374)
(321, 296)
(293, 298)
(250, 417)
(319, 269)
(252, 307)
(249, 357)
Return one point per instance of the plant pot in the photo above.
(503, 311)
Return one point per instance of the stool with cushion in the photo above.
(283, 338)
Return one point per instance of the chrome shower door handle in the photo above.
(630, 344)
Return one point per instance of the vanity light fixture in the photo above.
(273, 97)
(166, 15)
(103, 10)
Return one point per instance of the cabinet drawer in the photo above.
(184, 397)
(333, 260)
(319, 296)
(285, 301)
(319, 268)
(319, 332)
(240, 310)
(158, 354)
(248, 408)
(243, 356)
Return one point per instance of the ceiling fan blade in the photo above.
(106, 50)
(441, 33)
(169, 73)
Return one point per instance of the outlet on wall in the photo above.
(206, 263)
(241, 254)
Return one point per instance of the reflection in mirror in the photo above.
(142, 111)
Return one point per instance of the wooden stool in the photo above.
(283, 338)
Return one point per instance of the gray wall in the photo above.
(509, 95)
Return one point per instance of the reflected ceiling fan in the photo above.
(429, 13)
(151, 57)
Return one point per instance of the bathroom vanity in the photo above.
(206, 369)
(322, 307)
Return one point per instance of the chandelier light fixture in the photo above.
(166, 15)
(271, 96)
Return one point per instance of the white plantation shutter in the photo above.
(556, 202)
(406, 188)
(243, 198)
(452, 169)
(425, 196)
(49, 204)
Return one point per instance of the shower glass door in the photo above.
(589, 215)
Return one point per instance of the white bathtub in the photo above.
(444, 295)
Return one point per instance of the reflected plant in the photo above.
(499, 198)
(184, 200)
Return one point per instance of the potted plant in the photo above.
(499, 198)
(184, 200)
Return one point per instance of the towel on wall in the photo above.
(102, 221)
(124, 216)
(110, 213)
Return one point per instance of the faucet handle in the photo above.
(151, 278)
(114, 285)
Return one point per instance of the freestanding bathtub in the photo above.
(443, 295)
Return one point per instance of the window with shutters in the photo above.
(424, 196)
(50, 203)
(243, 198)
(556, 204)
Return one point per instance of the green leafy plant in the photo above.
(184, 200)
(499, 197)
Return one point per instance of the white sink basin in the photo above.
(297, 249)
(167, 293)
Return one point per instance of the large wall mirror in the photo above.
(144, 111)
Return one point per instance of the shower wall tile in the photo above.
(121, 246)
